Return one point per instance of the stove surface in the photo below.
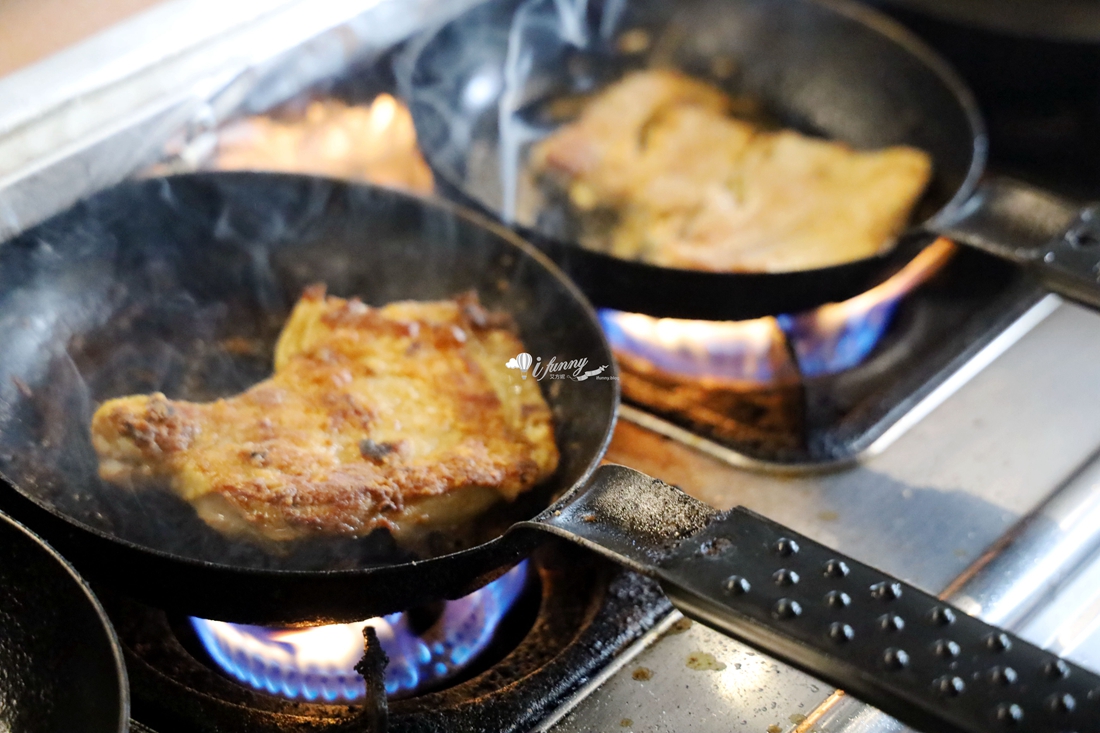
(924, 508)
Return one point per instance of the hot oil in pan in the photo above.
(199, 355)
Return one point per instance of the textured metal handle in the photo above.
(904, 651)
(925, 662)
(1070, 264)
(1051, 236)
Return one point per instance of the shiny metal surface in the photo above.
(926, 509)
(1035, 558)
(1070, 625)
(929, 505)
(1042, 579)
(690, 679)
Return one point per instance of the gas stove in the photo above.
(942, 430)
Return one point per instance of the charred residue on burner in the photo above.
(760, 418)
(742, 387)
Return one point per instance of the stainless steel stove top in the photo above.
(1018, 423)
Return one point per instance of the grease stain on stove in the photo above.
(773, 728)
(828, 516)
(626, 723)
(642, 674)
(704, 662)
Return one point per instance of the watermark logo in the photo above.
(521, 362)
(575, 369)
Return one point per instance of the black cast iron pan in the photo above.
(182, 285)
(828, 68)
(155, 285)
(1063, 21)
(61, 666)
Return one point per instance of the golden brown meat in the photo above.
(689, 186)
(402, 417)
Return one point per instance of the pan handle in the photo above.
(928, 664)
(1054, 237)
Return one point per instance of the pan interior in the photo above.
(488, 85)
(181, 285)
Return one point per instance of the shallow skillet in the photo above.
(160, 284)
(61, 666)
(1063, 21)
(828, 68)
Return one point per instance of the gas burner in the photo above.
(318, 663)
(816, 387)
(574, 614)
(828, 340)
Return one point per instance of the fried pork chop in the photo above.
(403, 417)
(687, 185)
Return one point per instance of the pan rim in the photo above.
(973, 14)
(452, 209)
(898, 33)
(105, 622)
(874, 21)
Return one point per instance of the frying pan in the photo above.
(155, 284)
(61, 666)
(1064, 21)
(1035, 70)
(828, 68)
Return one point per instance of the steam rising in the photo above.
(182, 286)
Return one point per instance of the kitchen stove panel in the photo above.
(927, 505)
(926, 508)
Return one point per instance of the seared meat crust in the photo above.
(686, 185)
(402, 417)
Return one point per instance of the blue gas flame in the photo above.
(829, 340)
(821, 351)
(318, 664)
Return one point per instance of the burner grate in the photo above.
(586, 613)
(814, 420)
